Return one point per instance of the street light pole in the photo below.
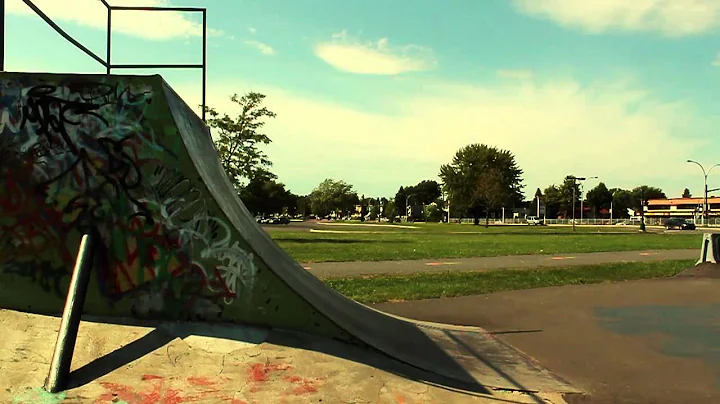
(705, 196)
(575, 179)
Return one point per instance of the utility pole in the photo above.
(2, 35)
(575, 180)
(705, 199)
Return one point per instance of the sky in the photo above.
(380, 94)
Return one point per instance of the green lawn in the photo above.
(449, 284)
(457, 241)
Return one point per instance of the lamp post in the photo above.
(575, 179)
(705, 196)
(581, 199)
(407, 199)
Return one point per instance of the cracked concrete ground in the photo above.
(174, 363)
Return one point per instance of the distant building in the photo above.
(681, 207)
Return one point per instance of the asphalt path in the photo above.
(325, 270)
(638, 342)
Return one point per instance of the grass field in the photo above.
(379, 289)
(379, 243)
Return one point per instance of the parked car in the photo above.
(534, 221)
(679, 223)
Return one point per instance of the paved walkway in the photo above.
(358, 268)
(637, 342)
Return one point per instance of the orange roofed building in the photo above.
(682, 207)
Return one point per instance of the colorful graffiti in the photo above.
(83, 155)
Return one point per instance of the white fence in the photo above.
(649, 221)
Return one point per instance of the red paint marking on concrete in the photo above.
(305, 386)
(154, 395)
(434, 264)
(260, 372)
(558, 258)
(304, 389)
(400, 399)
(151, 377)
(307, 268)
(644, 253)
(200, 381)
(172, 397)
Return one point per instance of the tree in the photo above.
(599, 197)
(644, 193)
(332, 196)
(552, 201)
(400, 199)
(432, 214)
(239, 138)
(303, 206)
(263, 195)
(390, 211)
(491, 191)
(462, 177)
(622, 201)
(567, 189)
(686, 193)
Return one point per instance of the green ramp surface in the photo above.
(125, 157)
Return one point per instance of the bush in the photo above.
(433, 214)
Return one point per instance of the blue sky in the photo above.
(380, 94)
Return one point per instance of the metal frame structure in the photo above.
(107, 62)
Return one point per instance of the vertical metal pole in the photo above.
(67, 334)
(109, 41)
(204, 62)
(573, 205)
(705, 209)
(2, 35)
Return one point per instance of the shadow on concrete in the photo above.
(165, 332)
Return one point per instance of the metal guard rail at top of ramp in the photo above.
(107, 62)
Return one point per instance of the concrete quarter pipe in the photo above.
(126, 156)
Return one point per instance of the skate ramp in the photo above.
(124, 155)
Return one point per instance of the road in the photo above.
(325, 270)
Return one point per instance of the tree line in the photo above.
(478, 182)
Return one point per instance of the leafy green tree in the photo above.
(491, 191)
(644, 193)
(552, 201)
(390, 210)
(565, 197)
(432, 214)
(400, 199)
(686, 193)
(622, 200)
(599, 197)
(332, 196)
(263, 195)
(239, 138)
(463, 175)
(303, 206)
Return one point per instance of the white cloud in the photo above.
(264, 48)
(252, 30)
(668, 17)
(519, 74)
(91, 13)
(716, 62)
(613, 130)
(353, 56)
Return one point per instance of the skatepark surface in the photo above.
(124, 159)
(638, 342)
(177, 363)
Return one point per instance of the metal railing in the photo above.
(107, 62)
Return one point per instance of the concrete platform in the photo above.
(175, 363)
